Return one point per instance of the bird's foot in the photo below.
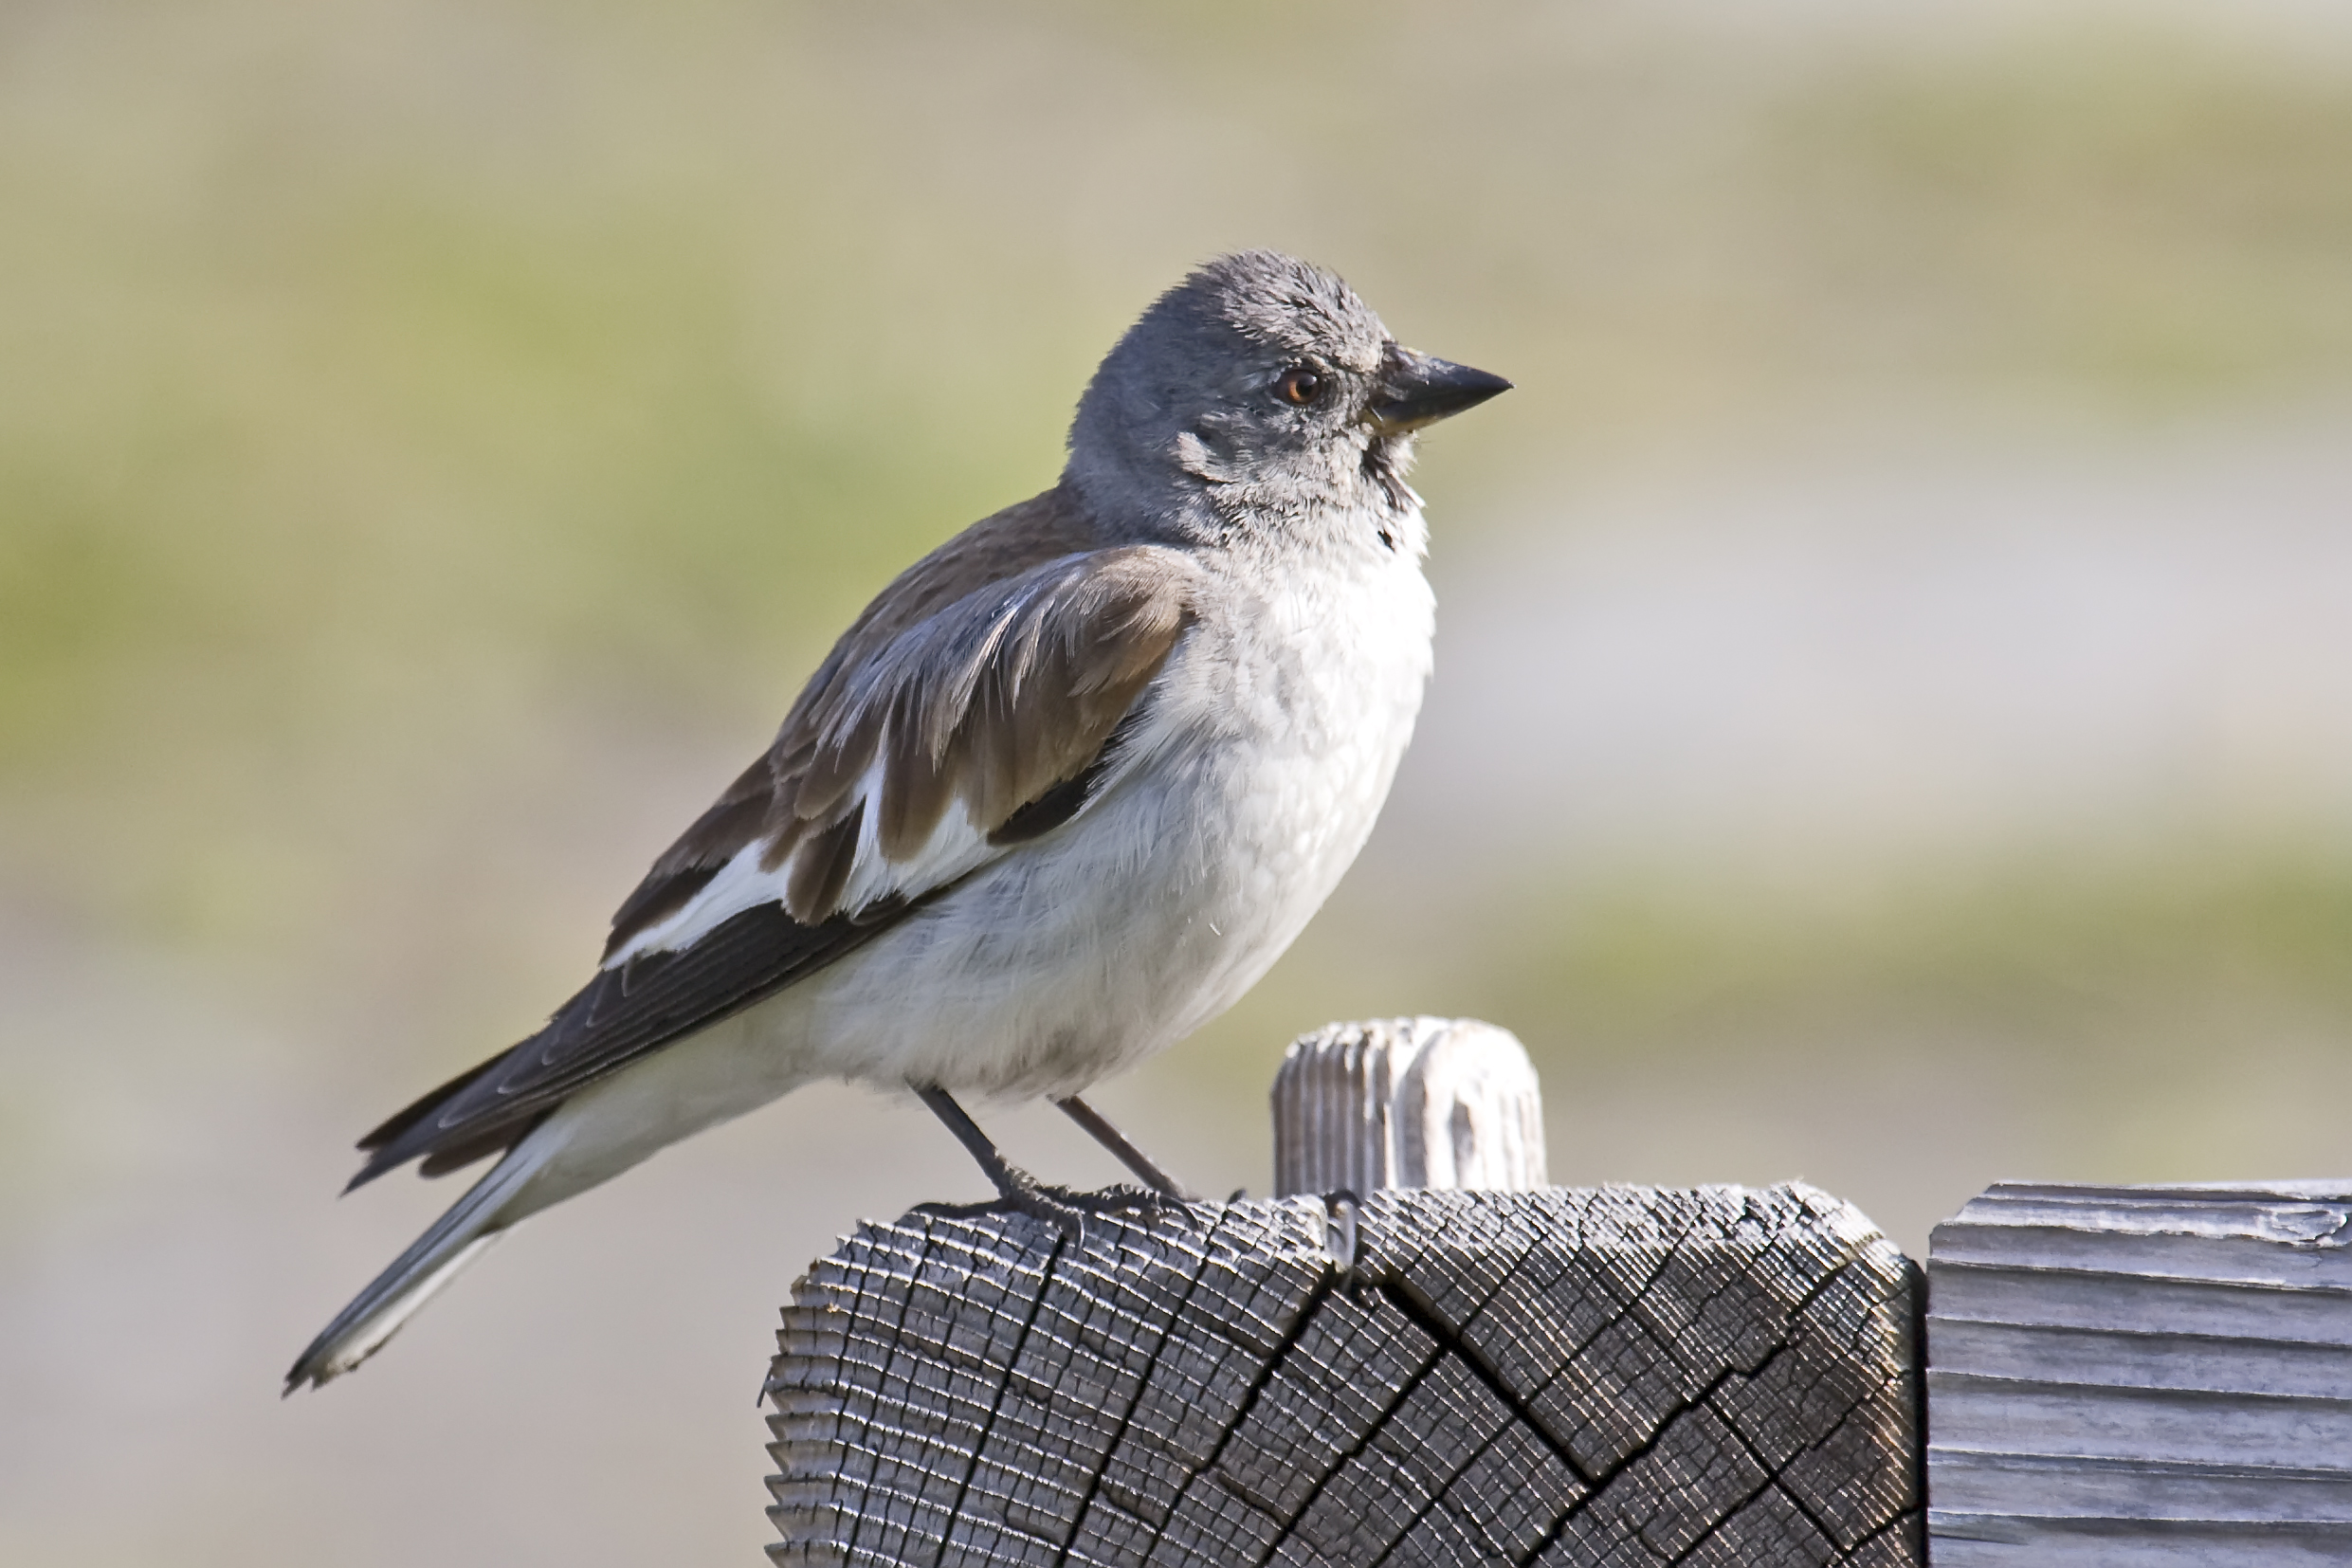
(1065, 1209)
(1059, 1207)
(1124, 1197)
(1054, 1205)
(1068, 1208)
(1099, 1127)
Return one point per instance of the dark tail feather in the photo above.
(431, 1260)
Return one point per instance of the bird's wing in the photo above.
(944, 730)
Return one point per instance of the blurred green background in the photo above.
(1894, 719)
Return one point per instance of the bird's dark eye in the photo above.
(1301, 387)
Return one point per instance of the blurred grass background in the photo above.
(1893, 723)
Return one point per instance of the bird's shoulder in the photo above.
(1047, 526)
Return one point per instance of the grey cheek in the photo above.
(1196, 456)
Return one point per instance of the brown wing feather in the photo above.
(995, 701)
(996, 672)
(740, 816)
(787, 787)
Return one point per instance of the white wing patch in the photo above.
(954, 848)
(955, 725)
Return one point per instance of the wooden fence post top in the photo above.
(1434, 1361)
(2266, 1213)
(1716, 1376)
(1407, 1102)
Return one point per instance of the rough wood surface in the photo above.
(2143, 1376)
(1407, 1102)
(1714, 1376)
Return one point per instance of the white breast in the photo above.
(1273, 734)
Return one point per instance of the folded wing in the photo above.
(976, 705)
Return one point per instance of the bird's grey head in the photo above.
(1258, 393)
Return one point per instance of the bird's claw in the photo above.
(1125, 1198)
(1061, 1207)
(1067, 1208)
(1038, 1201)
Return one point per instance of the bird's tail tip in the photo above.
(330, 1354)
(389, 1300)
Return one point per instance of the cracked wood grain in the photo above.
(2143, 1376)
(1627, 1376)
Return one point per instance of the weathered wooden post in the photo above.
(2136, 1377)
(1445, 1102)
(1374, 1373)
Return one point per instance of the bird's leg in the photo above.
(1015, 1185)
(1099, 1127)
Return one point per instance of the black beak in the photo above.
(1420, 389)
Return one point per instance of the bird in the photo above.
(1062, 791)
